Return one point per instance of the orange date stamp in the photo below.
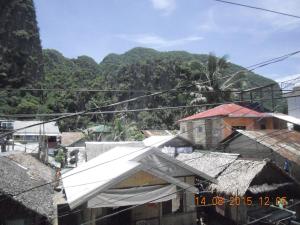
(239, 200)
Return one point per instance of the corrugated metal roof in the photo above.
(284, 142)
(94, 149)
(51, 129)
(287, 118)
(230, 110)
(149, 133)
(157, 141)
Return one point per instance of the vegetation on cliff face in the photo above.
(20, 56)
(20, 48)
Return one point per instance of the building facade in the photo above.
(208, 128)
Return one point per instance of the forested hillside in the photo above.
(139, 71)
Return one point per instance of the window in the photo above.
(233, 128)
(52, 139)
(173, 206)
(31, 138)
(263, 126)
(15, 222)
(200, 129)
(7, 125)
(167, 207)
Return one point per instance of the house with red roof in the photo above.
(208, 128)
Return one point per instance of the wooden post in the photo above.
(237, 208)
(159, 213)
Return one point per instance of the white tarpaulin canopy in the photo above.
(133, 196)
(103, 173)
(96, 175)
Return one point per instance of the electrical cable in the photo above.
(136, 98)
(259, 8)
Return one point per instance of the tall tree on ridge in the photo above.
(213, 86)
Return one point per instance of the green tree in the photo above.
(214, 85)
(124, 131)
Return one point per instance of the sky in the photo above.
(99, 27)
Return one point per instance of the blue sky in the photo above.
(99, 27)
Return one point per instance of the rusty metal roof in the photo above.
(284, 142)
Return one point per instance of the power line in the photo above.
(138, 98)
(106, 90)
(199, 157)
(268, 215)
(98, 164)
(122, 111)
(105, 162)
(73, 174)
(138, 110)
(259, 8)
(79, 171)
(250, 68)
(187, 160)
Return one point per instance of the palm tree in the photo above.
(212, 86)
(125, 131)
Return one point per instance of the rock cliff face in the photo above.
(20, 46)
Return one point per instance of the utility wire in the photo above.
(138, 110)
(136, 98)
(30, 189)
(258, 8)
(250, 68)
(112, 90)
(48, 182)
(187, 160)
(116, 213)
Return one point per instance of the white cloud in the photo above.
(212, 20)
(208, 22)
(167, 6)
(281, 21)
(156, 41)
(288, 78)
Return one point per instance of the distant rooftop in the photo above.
(149, 133)
(230, 110)
(48, 129)
(68, 138)
(284, 142)
(294, 93)
(20, 172)
(102, 128)
(212, 163)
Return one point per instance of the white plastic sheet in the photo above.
(133, 196)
